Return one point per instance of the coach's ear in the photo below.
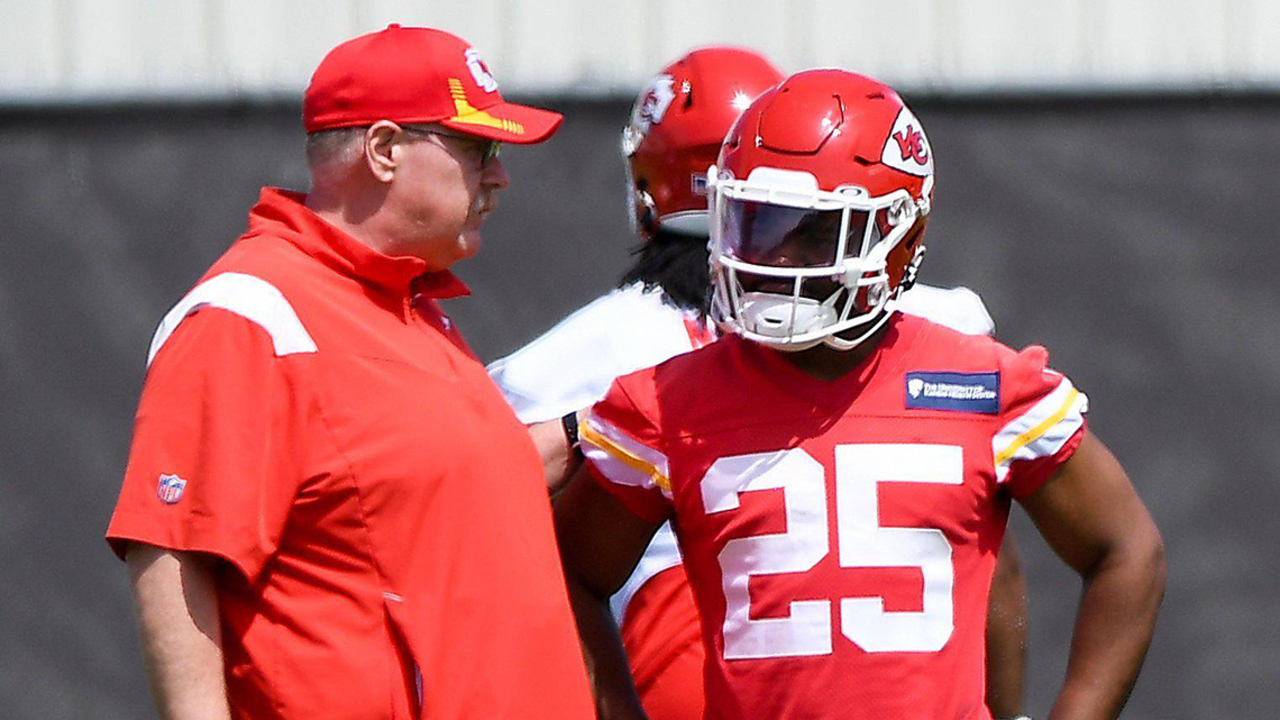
(380, 142)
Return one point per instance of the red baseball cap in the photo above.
(417, 75)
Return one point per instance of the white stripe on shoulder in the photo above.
(1042, 430)
(621, 458)
(250, 297)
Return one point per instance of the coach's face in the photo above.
(443, 188)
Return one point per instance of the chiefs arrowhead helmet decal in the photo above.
(649, 110)
(907, 149)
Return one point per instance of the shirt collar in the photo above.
(284, 213)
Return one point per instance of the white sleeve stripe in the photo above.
(252, 298)
(1042, 430)
(621, 458)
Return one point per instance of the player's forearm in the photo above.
(1006, 635)
(1113, 629)
(180, 632)
(607, 668)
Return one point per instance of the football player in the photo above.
(838, 474)
(661, 310)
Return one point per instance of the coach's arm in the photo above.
(600, 544)
(180, 631)
(1093, 519)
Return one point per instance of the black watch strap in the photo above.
(570, 423)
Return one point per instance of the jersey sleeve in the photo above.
(1041, 424)
(622, 446)
(215, 459)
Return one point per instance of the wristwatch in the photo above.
(570, 424)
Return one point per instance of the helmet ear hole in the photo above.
(644, 209)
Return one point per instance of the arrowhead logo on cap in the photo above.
(479, 71)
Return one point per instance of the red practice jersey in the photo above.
(312, 418)
(839, 536)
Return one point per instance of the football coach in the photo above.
(329, 510)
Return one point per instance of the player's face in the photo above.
(447, 186)
(786, 237)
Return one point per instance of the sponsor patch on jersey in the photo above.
(907, 149)
(960, 392)
(170, 488)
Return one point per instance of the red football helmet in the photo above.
(677, 125)
(820, 198)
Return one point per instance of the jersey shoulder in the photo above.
(571, 365)
(701, 389)
(255, 281)
(1037, 414)
(1014, 375)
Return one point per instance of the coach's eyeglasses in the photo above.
(484, 148)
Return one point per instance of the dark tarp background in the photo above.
(1135, 238)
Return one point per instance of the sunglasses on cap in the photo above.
(491, 148)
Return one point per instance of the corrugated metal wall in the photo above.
(58, 50)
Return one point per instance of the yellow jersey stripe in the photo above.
(590, 434)
(1034, 433)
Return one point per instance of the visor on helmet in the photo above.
(780, 236)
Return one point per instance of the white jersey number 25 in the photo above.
(863, 543)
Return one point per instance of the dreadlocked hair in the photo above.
(676, 264)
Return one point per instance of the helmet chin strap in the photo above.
(838, 343)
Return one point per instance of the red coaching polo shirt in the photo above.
(310, 416)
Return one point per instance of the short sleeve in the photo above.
(623, 449)
(1041, 424)
(215, 459)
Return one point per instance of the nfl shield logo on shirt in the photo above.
(170, 489)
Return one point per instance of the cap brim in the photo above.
(508, 122)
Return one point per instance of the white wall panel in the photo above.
(1166, 43)
(112, 46)
(537, 34)
(1012, 43)
(899, 43)
(1254, 36)
(32, 56)
(87, 49)
(607, 39)
(272, 46)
